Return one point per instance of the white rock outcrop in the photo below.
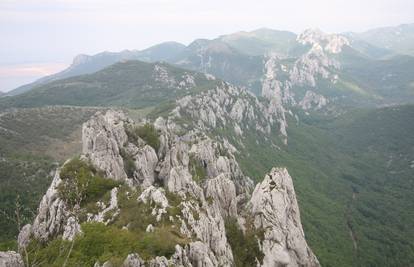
(228, 105)
(155, 197)
(134, 260)
(145, 160)
(312, 100)
(275, 210)
(311, 66)
(332, 43)
(102, 138)
(71, 229)
(51, 215)
(222, 192)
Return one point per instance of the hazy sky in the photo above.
(42, 36)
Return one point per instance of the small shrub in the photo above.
(146, 132)
(129, 164)
(245, 247)
(8, 245)
(102, 243)
(82, 184)
(210, 200)
(136, 215)
(197, 170)
(174, 201)
(50, 254)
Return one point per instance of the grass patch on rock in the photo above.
(245, 246)
(146, 132)
(82, 183)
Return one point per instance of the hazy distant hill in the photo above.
(85, 64)
(399, 39)
(244, 46)
(261, 41)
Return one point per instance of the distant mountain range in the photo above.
(242, 52)
(398, 39)
(304, 69)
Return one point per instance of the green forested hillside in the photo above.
(32, 143)
(389, 80)
(133, 84)
(354, 177)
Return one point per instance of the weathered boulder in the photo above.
(11, 259)
(134, 260)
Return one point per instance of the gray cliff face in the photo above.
(207, 197)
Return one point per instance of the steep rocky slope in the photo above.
(191, 184)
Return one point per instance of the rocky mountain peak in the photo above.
(331, 43)
(154, 162)
(80, 59)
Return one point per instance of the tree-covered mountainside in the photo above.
(126, 84)
(388, 81)
(32, 143)
(261, 41)
(361, 163)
